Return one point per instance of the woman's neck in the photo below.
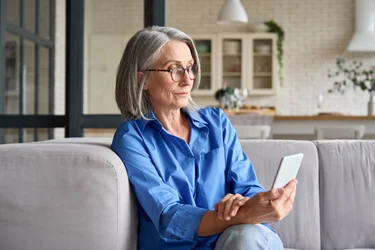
(175, 122)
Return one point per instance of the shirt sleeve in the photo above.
(240, 171)
(241, 175)
(173, 220)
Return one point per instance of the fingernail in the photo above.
(233, 213)
(280, 191)
(227, 218)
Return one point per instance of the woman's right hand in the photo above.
(270, 206)
(229, 205)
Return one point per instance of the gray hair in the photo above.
(141, 53)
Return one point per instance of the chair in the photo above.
(253, 131)
(352, 132)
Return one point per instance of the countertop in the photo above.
(323, 118)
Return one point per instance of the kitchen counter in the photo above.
(324, 118)
(305, 125)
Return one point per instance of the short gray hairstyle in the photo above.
(141, 53)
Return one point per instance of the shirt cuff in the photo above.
(185, 222)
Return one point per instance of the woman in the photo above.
(195, 187)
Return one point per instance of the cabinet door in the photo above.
(206, 47)
(263, 70)
(232, 51)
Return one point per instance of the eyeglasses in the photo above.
(178, 73)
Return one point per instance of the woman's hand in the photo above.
(229, 205)
(270, 206)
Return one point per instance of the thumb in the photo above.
(273, 194)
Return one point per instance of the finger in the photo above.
(243, 201)
(216, 206)
(229, 204)
(221, 206)
(290, 186)
(288, 197)
(272, 194)
(236, 206)
(239, 204)
(293, 195)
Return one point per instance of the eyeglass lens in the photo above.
(178, 73)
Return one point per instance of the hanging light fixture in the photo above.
(232, 12)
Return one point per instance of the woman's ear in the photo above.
(139, 78)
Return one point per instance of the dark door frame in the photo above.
(74, 121)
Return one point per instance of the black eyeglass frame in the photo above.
(188, 69)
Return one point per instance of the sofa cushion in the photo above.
(347, 191)
(301, 228)
(64, 196)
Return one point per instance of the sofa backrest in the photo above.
(301, 228)
(347, 193)
(65, 196)
(74, 193)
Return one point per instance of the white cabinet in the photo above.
(233, 62)
(262, 73)
(238, 60)
(206, 46)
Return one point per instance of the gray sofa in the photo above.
(74, 194)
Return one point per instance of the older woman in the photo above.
(195, 187)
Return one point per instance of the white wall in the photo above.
(106, 26)
(316, 32)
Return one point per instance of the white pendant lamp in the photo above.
(232, 12)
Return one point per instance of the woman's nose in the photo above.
(186, 79)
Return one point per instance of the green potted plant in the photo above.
(352, 75)
(276, 28)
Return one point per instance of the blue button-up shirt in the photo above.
(175, 182)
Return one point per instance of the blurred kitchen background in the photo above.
(292, 105)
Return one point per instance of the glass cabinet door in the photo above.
(263, 74)
(231, 60)
(205, 46)
(262, 64)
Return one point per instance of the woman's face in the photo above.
(164, 93)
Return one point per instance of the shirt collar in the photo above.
(194, 116)
(141, 122)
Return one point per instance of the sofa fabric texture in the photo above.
(74, 194)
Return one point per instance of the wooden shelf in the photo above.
(228, 55)
(262, 74)
(262, 54)
(232, 74)
(204, 54)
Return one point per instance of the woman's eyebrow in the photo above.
(177, 62)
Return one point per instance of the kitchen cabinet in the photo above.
(238, 60)
(206, 46)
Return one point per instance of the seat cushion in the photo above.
(347, 193)
(301, 228)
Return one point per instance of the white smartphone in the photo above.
(288, 170)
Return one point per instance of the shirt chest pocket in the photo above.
(212, 177)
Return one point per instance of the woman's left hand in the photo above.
(229, 205)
